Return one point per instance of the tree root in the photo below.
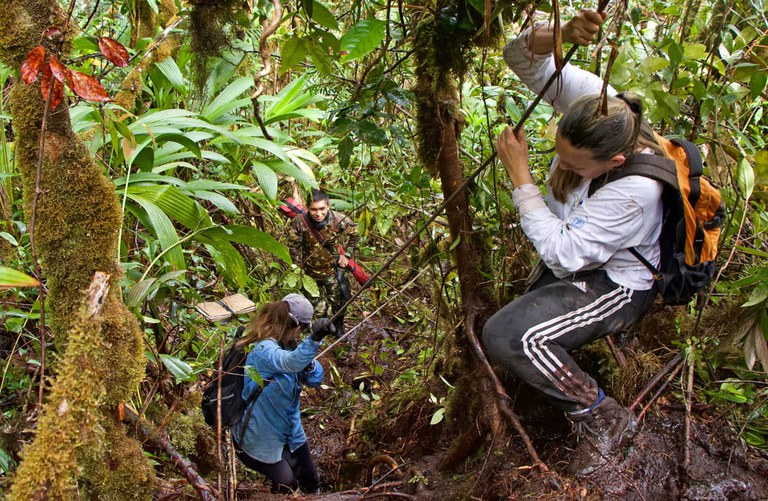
(161, 441)
(503, 398)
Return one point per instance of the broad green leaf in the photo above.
(175, 204)
(323, 16)
(320, 59)
(11, 278)
(181, 370)
(218, 200)
(675, 54)
(437, 417)
(138, 292)
(695, 50)
(371, 134)
(294, 51)
(10, 238)
(362, 38)
(746, 178)
(653, 64)
(252, 373)
(209, 184)
(171, 71)
(346, 148)
(181, 139)
(227, 100)
(267, 178)
(247, 137)
(757, 83)
(227, 258)
(247, 235)
(308, 6)
(153, 5)
(164, 230)
(309, 285)
(293, 171)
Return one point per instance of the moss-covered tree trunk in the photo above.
(78, 218)
(439, 125)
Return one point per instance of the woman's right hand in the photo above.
(513, 153)
(583, 27)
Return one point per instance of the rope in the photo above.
(353, 329)
(601, 7)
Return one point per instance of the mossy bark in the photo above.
(439, 124)
(78, 218)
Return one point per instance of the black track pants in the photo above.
(295, 470)
(532, 335)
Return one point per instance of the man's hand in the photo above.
(343, 261)
(583, 27)
(513, 153)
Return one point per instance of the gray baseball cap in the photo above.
(300, 307)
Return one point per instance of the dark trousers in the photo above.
(531, 336)
(296, 470)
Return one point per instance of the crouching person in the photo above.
(584, 232)
(269, 438)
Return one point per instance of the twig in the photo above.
(388, 494)
(670, 365)
(659, 391)
(688, 398)
(161, 441)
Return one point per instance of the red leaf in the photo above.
(87, 87)
(114, 51)
(52, 31)
(60, 71)
(33, 65)
(57, 93)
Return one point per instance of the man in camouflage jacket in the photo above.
(320, 261)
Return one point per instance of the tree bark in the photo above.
(77, 222)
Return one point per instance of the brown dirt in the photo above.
(347, 426)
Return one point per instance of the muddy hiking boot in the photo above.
(602, 431)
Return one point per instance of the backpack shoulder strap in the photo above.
(656, 167)
(696, 165)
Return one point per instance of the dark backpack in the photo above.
(692, 219)
(232, 382)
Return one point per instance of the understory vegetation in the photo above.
(171, 185)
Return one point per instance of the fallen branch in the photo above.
(161, 441)
(652, 384)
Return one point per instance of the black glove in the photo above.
(321, 328)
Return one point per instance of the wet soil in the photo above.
(353, 421)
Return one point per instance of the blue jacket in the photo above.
(275, 419)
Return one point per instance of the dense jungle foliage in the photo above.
(222, 109)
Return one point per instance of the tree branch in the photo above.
(161, 441)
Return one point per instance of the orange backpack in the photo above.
(692, 219)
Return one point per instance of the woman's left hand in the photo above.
(513, 153)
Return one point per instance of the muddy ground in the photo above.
(354, 439)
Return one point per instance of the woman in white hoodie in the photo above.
(592, 285)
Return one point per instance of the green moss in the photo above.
(209, 23)
(121, 472)
(101, 362)
(69, 423)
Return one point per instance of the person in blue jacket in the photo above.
(269, 438)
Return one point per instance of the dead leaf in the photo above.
(114, 51)
(57, 93)
(60, 71)
(87, 87)
(33, 65)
